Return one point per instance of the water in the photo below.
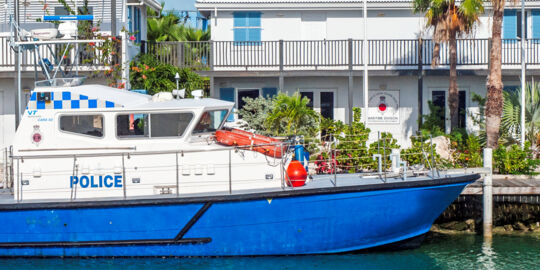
(437, 252)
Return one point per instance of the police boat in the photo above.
(97, 171)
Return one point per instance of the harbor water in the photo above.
(437, 252)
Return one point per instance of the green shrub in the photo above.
(255, 112)
(382, 146)
(432, 122)
(352, 150)
(420, 152)
(469, 154)
(514, 160)
(147, 72)
(290, 115)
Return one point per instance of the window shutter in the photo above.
(240, 19)
(510, 24)
(269, 92)
(227, 94)
(130, 18)
(254, 34)
(254, 19)
(240, 34)
(535, 23)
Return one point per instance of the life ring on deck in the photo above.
(262, 144)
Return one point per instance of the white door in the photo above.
(439, 97)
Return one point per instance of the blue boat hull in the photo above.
(279, 223)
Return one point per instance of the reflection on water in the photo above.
(437, 252)
(488, 256)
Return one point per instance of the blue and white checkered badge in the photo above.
(67, 100)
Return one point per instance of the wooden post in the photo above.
(351, 81)
(488, 194)
(281, 79)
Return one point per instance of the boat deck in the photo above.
(318, 182)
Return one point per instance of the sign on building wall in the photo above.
(383, 106)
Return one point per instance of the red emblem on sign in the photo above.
(382, 103)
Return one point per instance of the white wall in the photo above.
(339, 24)
(7, 112)
(407, 85)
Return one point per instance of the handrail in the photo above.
(224, 148)
(335, 54)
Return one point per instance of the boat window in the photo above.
(210, 121)
(91, 125)
(132, 125)
(169, 124)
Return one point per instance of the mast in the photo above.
(18, 61)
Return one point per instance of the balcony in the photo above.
(89, 58)
(335, 55)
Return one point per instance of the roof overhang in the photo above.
(231, 5)
(153, 4)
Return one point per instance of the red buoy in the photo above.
(297, 174)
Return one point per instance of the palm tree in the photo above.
(194, 34)
(165, 28)
(292, 111)
(449, 21)
(494, 102)
(511, 116)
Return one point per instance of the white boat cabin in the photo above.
(94, 141)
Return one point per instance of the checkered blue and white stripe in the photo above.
(67, 100)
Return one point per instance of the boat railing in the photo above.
(75, 169)
(341, 153)
(332, 162)
(7, 168)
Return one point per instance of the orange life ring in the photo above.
(237, 137)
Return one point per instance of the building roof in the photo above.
(210, 5)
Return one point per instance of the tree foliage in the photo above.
(170, 27)
(291, 115)
(146, 72)
(449, 20)
(511, 118)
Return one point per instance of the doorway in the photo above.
(322, 101)
(439, 98)
(242, 93)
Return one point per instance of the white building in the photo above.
(30, 14)
(315, 46)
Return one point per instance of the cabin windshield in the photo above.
(210, 121)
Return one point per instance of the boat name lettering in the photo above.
(102, 181)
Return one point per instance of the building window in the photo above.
(61, 11)
(247, 27)
(512, 24)
(535, 14)
(134, 22)
(90, 125)
(518, 30)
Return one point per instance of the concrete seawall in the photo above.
(516, 207)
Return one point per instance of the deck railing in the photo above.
(89, 57)
(332, 54)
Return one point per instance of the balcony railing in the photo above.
(332, 54)
(89, 58)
